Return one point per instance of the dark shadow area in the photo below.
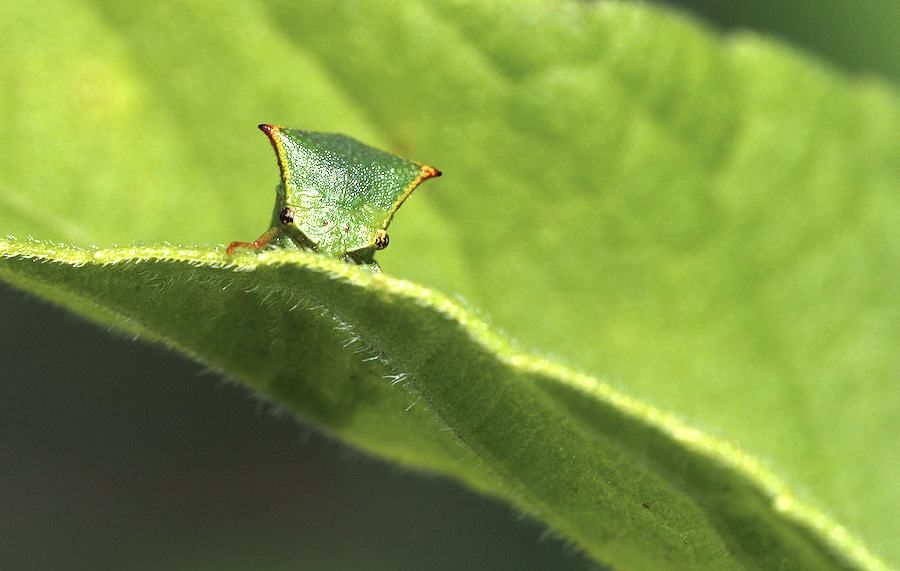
(122, 455)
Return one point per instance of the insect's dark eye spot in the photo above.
(381, 240)
(286, 216)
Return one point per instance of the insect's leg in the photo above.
(363, 258)
(257, 244)
(298, 239)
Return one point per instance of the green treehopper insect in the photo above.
(336, 196)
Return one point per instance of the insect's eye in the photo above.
(286, 216)
(381, 240)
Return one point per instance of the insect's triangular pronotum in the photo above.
(343, 192)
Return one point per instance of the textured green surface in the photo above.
(407, 373)
(340, 191)
(710, 222)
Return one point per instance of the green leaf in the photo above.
(710, 222)
(630, 484)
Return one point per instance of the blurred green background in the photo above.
(859, 37)
(122, 455)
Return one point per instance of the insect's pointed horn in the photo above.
(274, 135)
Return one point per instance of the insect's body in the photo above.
(337, 195)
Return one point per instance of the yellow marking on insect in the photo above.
(272, 131)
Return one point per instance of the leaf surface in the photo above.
(710, 222)
(407, 373)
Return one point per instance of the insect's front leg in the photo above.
(267, 238)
